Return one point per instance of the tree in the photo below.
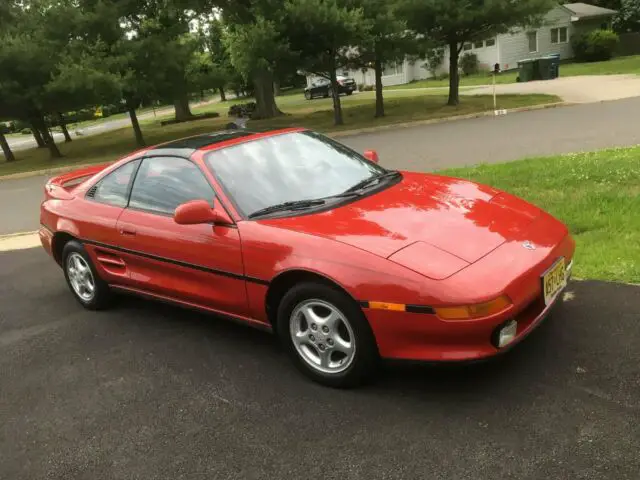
(611, 4)
(455, 22)
(628, 17)
(6, 149)
(388, 41)
(223, 73)
(46, 67)
(323, 34)
(167, 28)
(27, 61)
(129, 57)
(255, 50)
(259, 46)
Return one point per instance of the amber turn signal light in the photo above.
(467, 312)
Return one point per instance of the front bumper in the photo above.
(425, 337)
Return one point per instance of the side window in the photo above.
(114, 187)
(164, 183)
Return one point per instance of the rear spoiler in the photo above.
(61, 187)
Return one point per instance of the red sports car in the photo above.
(346, 261)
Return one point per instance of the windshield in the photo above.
(288, 168)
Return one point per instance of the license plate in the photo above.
(553, 281)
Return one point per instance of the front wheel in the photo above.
(327, 335)
(307, 95)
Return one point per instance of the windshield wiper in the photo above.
(282, 207)
(368, 181)
(346, 194)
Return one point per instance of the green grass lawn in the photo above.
(596, 194)
(317, 114)
(620, 65)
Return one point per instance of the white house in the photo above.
(553, 37)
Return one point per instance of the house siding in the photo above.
(515, 46)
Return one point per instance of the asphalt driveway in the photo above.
(146, 391)
(581, 89)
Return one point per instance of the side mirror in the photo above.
(199, 211)
(372, 156)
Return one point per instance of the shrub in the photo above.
(4, 128)
(595, 46)
(469, 64)
(242, 109)
(25, 131)
(434, 59)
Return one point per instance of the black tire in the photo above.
(102, 295)
(365, 359)
(307, 95)
(350, 92)
(327, 94)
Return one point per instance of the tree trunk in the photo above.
(134, 123)
(40, 125)
(265, 100)
(276, 87)
(223, 97)
(38, 136)
(8, 154)
(181, 104)
(335, 93)
(454, 77)
(379, 97)
(63, 126)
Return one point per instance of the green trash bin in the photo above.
(526, 70)
(544, 68)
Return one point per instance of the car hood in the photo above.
(461, 219)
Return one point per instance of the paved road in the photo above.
(27, 141)
(499, 139)
(145, 391)
(20, 204)
(496, 139)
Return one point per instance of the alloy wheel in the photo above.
(80, 277)
(322, 336)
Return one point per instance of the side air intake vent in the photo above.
(92, 191)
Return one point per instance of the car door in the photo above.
(105, 201)
(195, 264)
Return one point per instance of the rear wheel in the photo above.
(327, 335)
(307, 95)
(350, 92)
(85, 284)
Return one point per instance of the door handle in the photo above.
(127, 231)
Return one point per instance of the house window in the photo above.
(467, 46)
(559, 35)
(532, 38)
(394, 68)
(478, 44)
(491, 42)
